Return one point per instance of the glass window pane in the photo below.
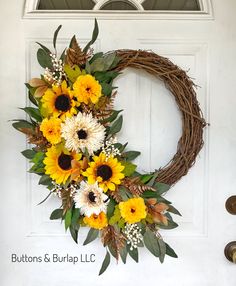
(66, 5)
(118, 5)
(180, 5)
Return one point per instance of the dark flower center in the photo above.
(82, 134)
(132, 210)
(88, 89)
(91, 197)
(64, 161)
(105, 172)
(62, 102)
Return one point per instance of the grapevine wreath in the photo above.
(72, 130)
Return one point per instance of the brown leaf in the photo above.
(36, 82)
(74, 54)
(40, 91)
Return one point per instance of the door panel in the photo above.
(152, 125)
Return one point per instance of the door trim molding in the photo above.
(31, 12)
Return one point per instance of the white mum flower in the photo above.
(90, 199)
(83, 131)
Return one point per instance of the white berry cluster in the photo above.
(57, 189)
(56, 74)
(109, 149)
(133, 234)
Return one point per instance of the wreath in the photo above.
(71, 129)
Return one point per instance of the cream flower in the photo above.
(90, 199)
(83, 131)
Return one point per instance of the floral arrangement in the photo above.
(72, 131)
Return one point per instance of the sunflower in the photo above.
(96, 221)
(90, 199)
(59, 101)
(58, 163)
(83, 132)
(133, 210)
(87, 89)
(51, 129)
(106, 171)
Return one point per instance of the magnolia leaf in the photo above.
(32, 99)
(96, 56)
(151, 242)
(56, 214)
(94, 37)
(108, 60)
(131, 155)
(68, 218)
(55, 36)
(33, 112)
(74, 233)
(45, 180)
(133, 253)
(28, 153)
(44, 59)
(75, 218)
(39, 92)
(161, 188)
(44, 48)
(116, 126)
(123, 254)
(36, 82)
(173, 210)
(170, 251)
(97, 65)
(22, 124)
(162, 247)
(170, 225)
(105, 263)
(92, 235)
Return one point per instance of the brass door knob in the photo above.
(230, 251)
(231, 205)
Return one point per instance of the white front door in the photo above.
(152, 124)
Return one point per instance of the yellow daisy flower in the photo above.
(51, 129)
(58, 163)
(96, 221)
(87, 89)
(133, 210)
(59, 101)
(106, 171)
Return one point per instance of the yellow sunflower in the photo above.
(106, 171)
(59, 101)
(133, 210)
(51, 129)
(58, 163)
(87, 89)
(96, 221)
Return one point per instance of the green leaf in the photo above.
(33, 112)
(75, 218)
(96, 56)
(110, 208)
(45, 180)
(151, 242)
(161, 188)
(120, 146)
(112, 117)
(133, 253)
(170, 251)
(72, 73)
(94, 37)
(44, 48)
(91, 236)
(106, 76)
(32, 99)
(131, 155)
(162, 247)
(108, 60)
(56, 214)
(123, 254)
(146, 178)
(55, 36)
(124, 193)
(97, 65)
(105, 263)
(22, 124)
(68, 218)
(129, 168)
(44, 199)
(171, 225)
(44, 59)
(38, 157)
(107, 88)
(28, 153)
(153, 179)
(116, 126)
(174, 210)
(74, 233)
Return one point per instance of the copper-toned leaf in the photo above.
(40, 91)
(36, 82)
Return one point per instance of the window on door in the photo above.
(120, 5)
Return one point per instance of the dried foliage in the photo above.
(114, 239)
(115, 195)
(135, 186)
(67, 200)
(183, 89)
(35, 136)
(74, 54)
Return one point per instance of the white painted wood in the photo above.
(207, 50)
(31, 12)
